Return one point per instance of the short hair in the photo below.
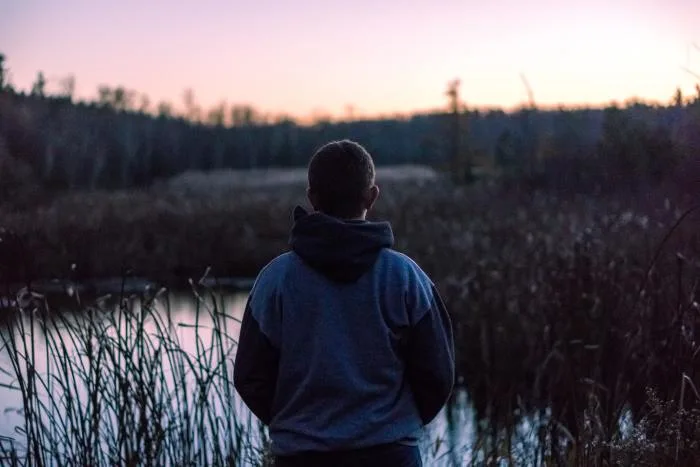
(340, 174)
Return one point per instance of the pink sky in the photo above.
(381, 56)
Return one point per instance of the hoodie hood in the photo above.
(341, 250)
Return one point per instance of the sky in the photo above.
(380, 57)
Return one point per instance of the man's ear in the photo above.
(372, 198)
(312, 198)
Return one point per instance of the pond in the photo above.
(103, 368)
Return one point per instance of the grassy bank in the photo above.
(113, 383)
(580, 312)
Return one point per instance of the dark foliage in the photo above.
(101, 145)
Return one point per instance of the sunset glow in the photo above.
(304, 57)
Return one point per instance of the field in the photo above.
(577, 314)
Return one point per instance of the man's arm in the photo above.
(256, 368)
(430, 362)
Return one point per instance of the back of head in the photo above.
(341, 175)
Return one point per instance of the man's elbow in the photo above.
(243, 387)
(444, 388)
(443, 378)
(431, 398)
(254, 399)
(240, 382)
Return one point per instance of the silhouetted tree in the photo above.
(192, 110)
(145, 104)
(460, 163)
(39, 85)
(123, 99)
(88, 147)
(67, 87)
(119, 98)
(217, 115)
(243, 115)
(104, 96)
(3, 73)
(678, 98)
(165, 110)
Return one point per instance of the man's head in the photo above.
(341, 180)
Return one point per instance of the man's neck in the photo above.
(361, 218)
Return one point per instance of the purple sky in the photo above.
(380, 56)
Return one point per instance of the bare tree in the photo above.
(217, 115)
(3, 72)
(528, 90)
(165, 110)
(145, 104)
(678, 98)
(104, 96)
(39, 85)
(119, 97)
(123, 99)
(5, 76)
(243, 115)
(67, 86)
(192, 110)
(460, 162)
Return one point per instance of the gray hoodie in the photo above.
(345, 343)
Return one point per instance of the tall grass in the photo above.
(570, 312)
(120, 381)
(114, 384)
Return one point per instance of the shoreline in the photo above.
(128, 285)
(168, 233)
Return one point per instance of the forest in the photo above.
(116, 141)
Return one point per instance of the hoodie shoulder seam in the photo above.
(414, 266)
(269, 275)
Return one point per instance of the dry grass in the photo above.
(567, 310)
(233, 221)
(114, 382)
(204, 183)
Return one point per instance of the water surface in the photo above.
(186, 317)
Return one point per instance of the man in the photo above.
(346, 349)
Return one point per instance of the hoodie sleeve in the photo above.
(430, 362)
(257, 359)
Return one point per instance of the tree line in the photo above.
(119, 140)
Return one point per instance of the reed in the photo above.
(113, 383)
(569, 313)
